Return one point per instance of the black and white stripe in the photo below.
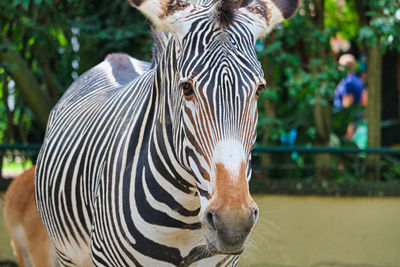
(127, 165)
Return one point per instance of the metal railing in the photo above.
(257, 149)
(292, 170)
(324, 150)
(23, 147)
(287, 162)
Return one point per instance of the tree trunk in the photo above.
(268, 105)
(322, 112)
(27, 85)
(362, 11)
(322, 116)
(9, 132)
(398, 80)
(374, 111)
(48, 76)
(374, 86)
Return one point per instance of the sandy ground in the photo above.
(6, 252)
(325, 231)
(316, 232)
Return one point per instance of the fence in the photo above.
(342, 164)
(293, 169)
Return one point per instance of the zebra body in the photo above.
(136, 155)
(92, 162)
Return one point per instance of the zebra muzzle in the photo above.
(227, 232)
(231, 212)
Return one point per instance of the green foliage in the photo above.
(303, 75)
(342, 18)
(305, 69)
(59, 40)
(383, 26)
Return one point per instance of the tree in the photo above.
(322, 110)
(45, 45)
(305, 77)
(379, 32)
(268, 106)
(25, 81)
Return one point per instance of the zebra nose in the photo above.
(231, 229)
(209, 219)
(254, 214)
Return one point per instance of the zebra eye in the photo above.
(259, 89)
(187, 88)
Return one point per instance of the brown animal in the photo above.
(29, 237)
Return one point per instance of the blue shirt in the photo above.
(351, 85)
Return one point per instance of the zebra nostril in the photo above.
(209, 218)
(255, 214)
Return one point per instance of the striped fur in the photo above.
(130, 167)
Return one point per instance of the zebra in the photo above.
(148, 164)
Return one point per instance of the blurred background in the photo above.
(329, 123)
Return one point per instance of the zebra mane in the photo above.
(226, 12)
(161, 39)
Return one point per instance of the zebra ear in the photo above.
(166, 15)
(271, 12)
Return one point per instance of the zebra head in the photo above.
(212, 80)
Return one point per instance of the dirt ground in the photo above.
(315, 232)
(325, 231)
(6, 252)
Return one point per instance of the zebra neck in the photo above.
(165, 167)
(164, 157)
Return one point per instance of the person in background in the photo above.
(351, 91)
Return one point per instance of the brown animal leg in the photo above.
(21, 253)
